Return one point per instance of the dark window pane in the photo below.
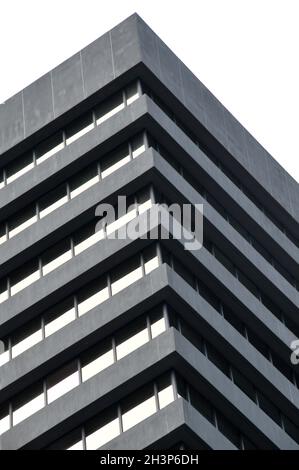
(184, 272)
(269, 408)
(79, 127)
(53, 200)
(72, 441)
(244, 384)
(202, 405)
(83, 180)
(49, 147)
(217, 359)
(18, 167)
(228, 429)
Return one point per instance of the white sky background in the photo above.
(245, 51)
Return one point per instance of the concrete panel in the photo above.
(94, 395)
(125, 45)
(97, 64)
(75, 337)
(12, 128)
(68, 88)
(178, 418)
(38, 104)
(170, 69)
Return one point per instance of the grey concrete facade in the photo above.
(209, 147)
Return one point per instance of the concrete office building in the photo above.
(139, 343)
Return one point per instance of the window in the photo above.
(86, 237)
(24, 276)
(121, 221)
(4, 419)
(115, 160)
(244, 384)
(125, 274)
(217, 359)
(224, 260)
(3, 237)
(79, 127)
(97, 359)
(72, 441)
(151, 260)
(1, 178)
(233, 320)
(202, 405)
(4, 352)
(26, 337)
(248, 284)
(62, 381)
(192, 335)
(19, 167)
(56, 256)
(158, 325)
(59, 316)
(291, 428)
(268, 407)
(84, 180)
(144, 200)
(138, 407)
(258, 343)
(49, 147)
(132, 93)
(92, 295)
(22, 220)
(109, 107)
(131, 338)
(3, 290)
(138, 145)
(184, 273)
(53, 200)
(228, 429)
(165, 391)
(102, 429)
(28, 403)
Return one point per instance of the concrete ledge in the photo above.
(169, 350)
(83, 332)
(170, 425)
(72, 158)
(72, 215)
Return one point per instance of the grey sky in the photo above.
(245, 52)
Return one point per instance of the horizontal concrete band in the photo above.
(169, 350)
(62, 165)
(100, 140)
(84, 267)
(178, 422)
(124, 47)
(161, 284)
(19, 248)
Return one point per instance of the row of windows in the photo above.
(34, 332)
(240, 275)
(83, 301)
(139, 406)
(225, 214)
(82, 368)
(95, 117)
(217, 162)
(120, 417)
(114, 348)
(237, 377)
(70, 247)
(230, 316)
(79, 183)
(243, 278)
(74, 131)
